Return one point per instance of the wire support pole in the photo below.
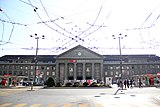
(36, 56)
(119, 37)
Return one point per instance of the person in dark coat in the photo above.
(131, 83)
(125, 83)
(140, 83)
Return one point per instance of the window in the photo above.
(42, 67)
(26, 73)
(32, 67)
(106, 73)
(122, 67)
(21, 67)
(10, 72)
(42, 73)
(20, 73)
(47, 68)
(15, 72)
(37, 67)
(4, 72)
(111, 67)
(111, 73)
(2, 66)
(49, 61)
(13, 67)
(26, 67)
(54, 68)
(118, 67)
(53, 73)
(117, 73)
(47, 73)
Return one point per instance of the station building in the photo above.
(77, 64)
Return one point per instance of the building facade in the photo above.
(78, 63)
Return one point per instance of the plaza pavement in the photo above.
(157, 97)
(114, 89)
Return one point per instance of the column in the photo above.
(66, 72)
(75, 71)
(93, 70)
(101, 71)
(83, 72)
(29, 74)
(57, 73)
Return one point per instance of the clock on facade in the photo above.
(79, 53)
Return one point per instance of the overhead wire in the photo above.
(11, 29)
(3, 26)
(63, 34)
(48, 16)
(94, 25)
(35, 10)
(28, 4)
(82, 32)
(147, 19)
(86, 29)
(57, 24)
(94, 31)
(14, 23)
(100, 26)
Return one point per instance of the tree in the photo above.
(50, 82)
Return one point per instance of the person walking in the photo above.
(140, 83)
(125, 83)
(131, 83)
(121, 84)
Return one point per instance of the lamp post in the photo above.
(36, 60)
(119, 37)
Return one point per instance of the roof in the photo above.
(106, 57)
(150, 57)
(80, 47)
(28, 57)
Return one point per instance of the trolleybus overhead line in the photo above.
(76, 40)
(3, 27)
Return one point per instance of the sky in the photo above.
(90, 23)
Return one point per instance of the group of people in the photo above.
(125, 83)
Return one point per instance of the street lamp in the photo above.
(119, 37)
(36, 61)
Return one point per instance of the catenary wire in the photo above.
(11, 29)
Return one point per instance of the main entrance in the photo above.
(80, 71)
(79, 63)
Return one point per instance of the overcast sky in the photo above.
(90, 23)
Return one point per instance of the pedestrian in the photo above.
(118, 83)
(125, 83)
(121, 84)
(131, 83)
(140, 83)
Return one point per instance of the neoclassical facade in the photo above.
(78, 63)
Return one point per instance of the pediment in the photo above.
(80, 52)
